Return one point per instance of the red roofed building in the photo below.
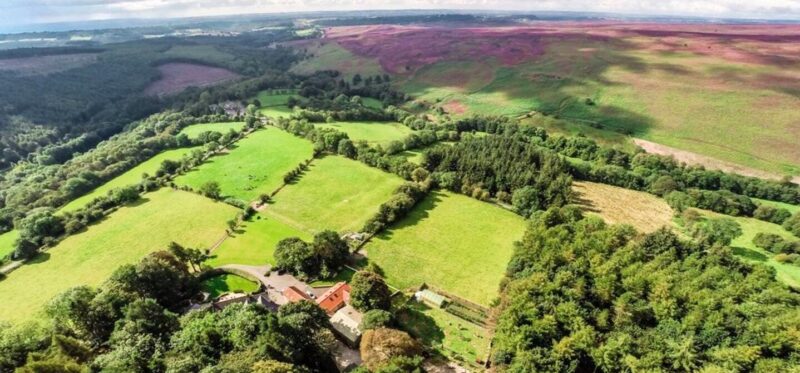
(335, 298)
(294, 294)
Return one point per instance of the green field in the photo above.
(7, 241)
(130, 177)
(89, 257)
(274, 104)
(450, 241)
(335, 193)
(196, 129)
(792, 208)
(254, 166)
(372, 102)
(374, 133)
(446, 333)
(254, 242)
(743, 247)
(228, 283)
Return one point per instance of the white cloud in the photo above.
(39, 11)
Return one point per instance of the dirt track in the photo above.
(708, 162)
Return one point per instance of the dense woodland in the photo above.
(585, 296)
(96, 101)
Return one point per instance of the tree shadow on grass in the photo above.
(749, 254)
(417, 215)
(413, 319)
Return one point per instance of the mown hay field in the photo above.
(616, 205)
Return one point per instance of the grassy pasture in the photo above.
(7, 241)
(452, 242)
(228, 283)
(792, 208)
(130, 177)
(374, 133)
(124, 237)
(273, 104)
(744, 248)
(254, 166)
(335, 193)
(615, 205)
(254, 242)
(196, 129)
(444, 332)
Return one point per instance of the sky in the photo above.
(19, 12)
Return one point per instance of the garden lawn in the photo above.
(130, 177)
(374, 133)
(228, 283)
(450, 335)
(196, 129)
(124, 237)
(7, 241)
(450, 241)
(744, 248)
(254, 166)
(254, 242)
(335, 193)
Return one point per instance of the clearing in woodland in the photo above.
(254, 166)
(124, 237)
(452, 242)
(616, 205)
(335, 193)
(130, 177)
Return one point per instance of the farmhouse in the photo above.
(335, 298)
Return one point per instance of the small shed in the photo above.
(433, 299)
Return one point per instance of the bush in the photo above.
(380, 346)
(771, 214)
(374, 319)
(793, 224)
(369, 292)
